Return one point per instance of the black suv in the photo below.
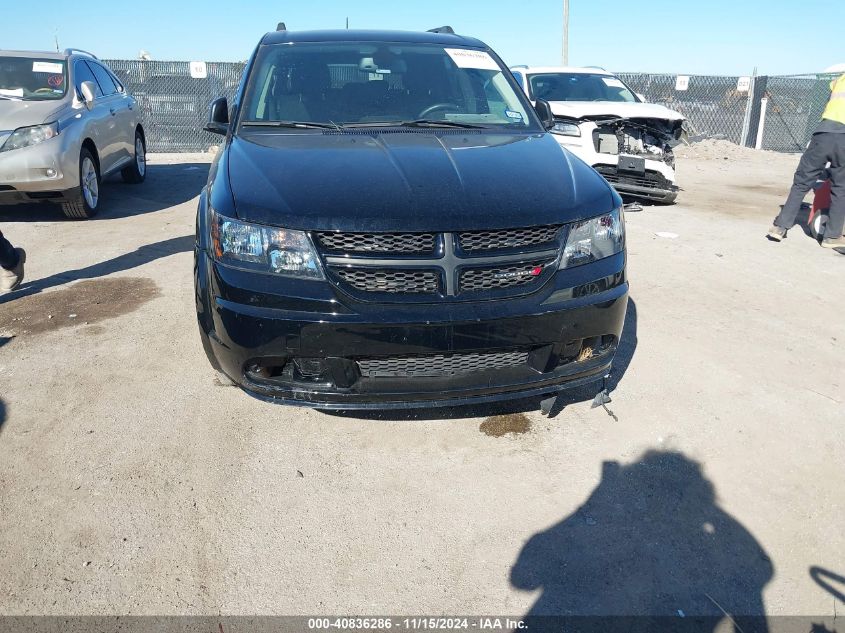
(390, 225)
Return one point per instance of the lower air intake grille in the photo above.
(391, 280)
(440, 365)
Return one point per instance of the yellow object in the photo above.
(835, 110)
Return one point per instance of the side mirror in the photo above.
(218, 117)
(544, 111)
(89, 93)
(641, 97)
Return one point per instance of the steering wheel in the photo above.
(436, 107)
(43, 91)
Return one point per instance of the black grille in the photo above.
(391, 280)
(440, 365)
(507, 238)
(651, 179)
(504, 276)
(398, 243)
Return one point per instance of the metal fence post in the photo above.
(759, 91)
(746, 120)
(764, 103)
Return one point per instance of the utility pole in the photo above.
(566, 32)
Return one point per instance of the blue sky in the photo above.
(711, 37)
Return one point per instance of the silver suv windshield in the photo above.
(359, 84)
(579, 87)
(32, 79)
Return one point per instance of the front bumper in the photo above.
(658, 182)
(24, 172)
(259, 339)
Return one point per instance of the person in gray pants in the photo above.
(826, 146)
(11, 265)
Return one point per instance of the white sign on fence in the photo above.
(682, 82)
(198, 70)
(743, 84)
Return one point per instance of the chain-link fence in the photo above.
(174, 99)
(794, 105)
(715, 106)
(768, 112)
(777, 113)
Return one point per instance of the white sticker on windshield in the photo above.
(465, 58)
(47, 67)
(516, 116)
(613, 82)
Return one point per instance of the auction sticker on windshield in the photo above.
(465, 58)
(47, 67)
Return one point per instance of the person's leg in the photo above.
(8, 255)
(836, 220)
(809, 169)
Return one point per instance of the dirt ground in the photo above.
(132, 483)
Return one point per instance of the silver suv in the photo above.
(66, 122)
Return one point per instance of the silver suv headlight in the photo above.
(265, 249)
(33, 135)
(594, 239)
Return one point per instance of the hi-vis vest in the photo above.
(835, 110)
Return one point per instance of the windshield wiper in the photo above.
(292, 124)
(416, 123)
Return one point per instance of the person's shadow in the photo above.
(650, 547)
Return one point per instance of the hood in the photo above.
(15, 114)
(625, 110)
(409, 181)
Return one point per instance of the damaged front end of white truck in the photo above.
(630, 144)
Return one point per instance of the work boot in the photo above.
(11, 279)
(776, 233)
(837, 243)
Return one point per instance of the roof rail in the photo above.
(597, 68)
(520, 66)
(72, 51)
(281, 27)
(443, 29)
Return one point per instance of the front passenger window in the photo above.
(83, 73)
(103, 78)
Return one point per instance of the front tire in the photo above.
(136, 172)
(85, 205)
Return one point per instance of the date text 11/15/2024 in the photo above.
(416, 624)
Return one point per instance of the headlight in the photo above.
(594, 239)
(567, 129)
(264, 249)
(26, 136)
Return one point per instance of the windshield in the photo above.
(579, 87)
(353, 83)
(32, 79)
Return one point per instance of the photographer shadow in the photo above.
(649, 550)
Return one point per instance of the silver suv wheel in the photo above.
(90, 184)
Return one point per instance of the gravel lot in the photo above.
(132, 483)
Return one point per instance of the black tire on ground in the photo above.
(136, 172)
(85, 206)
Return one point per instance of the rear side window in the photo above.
(83, 73)
(103, 78)
(520, 79)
